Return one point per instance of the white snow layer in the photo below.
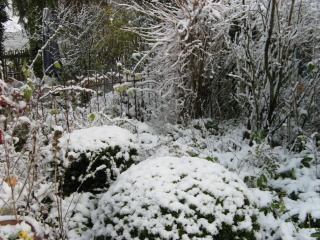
(95, 138)
(175, 184)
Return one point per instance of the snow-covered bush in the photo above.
(95, 156)
(177, 198)
(272, 47)
(187, 44)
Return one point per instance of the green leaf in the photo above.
(10, 64)
(92, 116)
(57, 64)
(31, 85)
(311, 67)
(262, 181)
(264, 178)
(54, 111)
(27, 73)
(27, 93)
(275, 205)
(306, 162)
(316, 234)
(283, 208)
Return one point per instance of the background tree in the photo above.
(275, 44)
(219, 59)
(3, 19)
(90, 37)
(189, 53)
(30, 16)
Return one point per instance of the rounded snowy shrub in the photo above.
(94, 157)
(176, 198)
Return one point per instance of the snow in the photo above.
(8, 231)
(165, 156)
(76, 210)
(265, 198)
(96, 138)
(137, 56)
(172, 172)
(12, 25)
(15, 36)
(140, 193)
(24, 225)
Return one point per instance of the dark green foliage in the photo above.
(29, 10)
(250, 181)
(30, 16)
(259, 136)
(287, 174)
(316, 234)
(262, 182)
(23, 133)
(306, 162)
(207, 126)
(309, 222)
(79, 169)
(3, 19)
(225, 231)
(312, 223)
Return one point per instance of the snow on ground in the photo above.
(225, 145)
(285, 184)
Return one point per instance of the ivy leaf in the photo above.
(306, 162)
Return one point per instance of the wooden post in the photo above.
(67, 110)
(97, 90)
(135, 96)
(105, 82)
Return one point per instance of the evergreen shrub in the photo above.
(177, 198)
(94, 157)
